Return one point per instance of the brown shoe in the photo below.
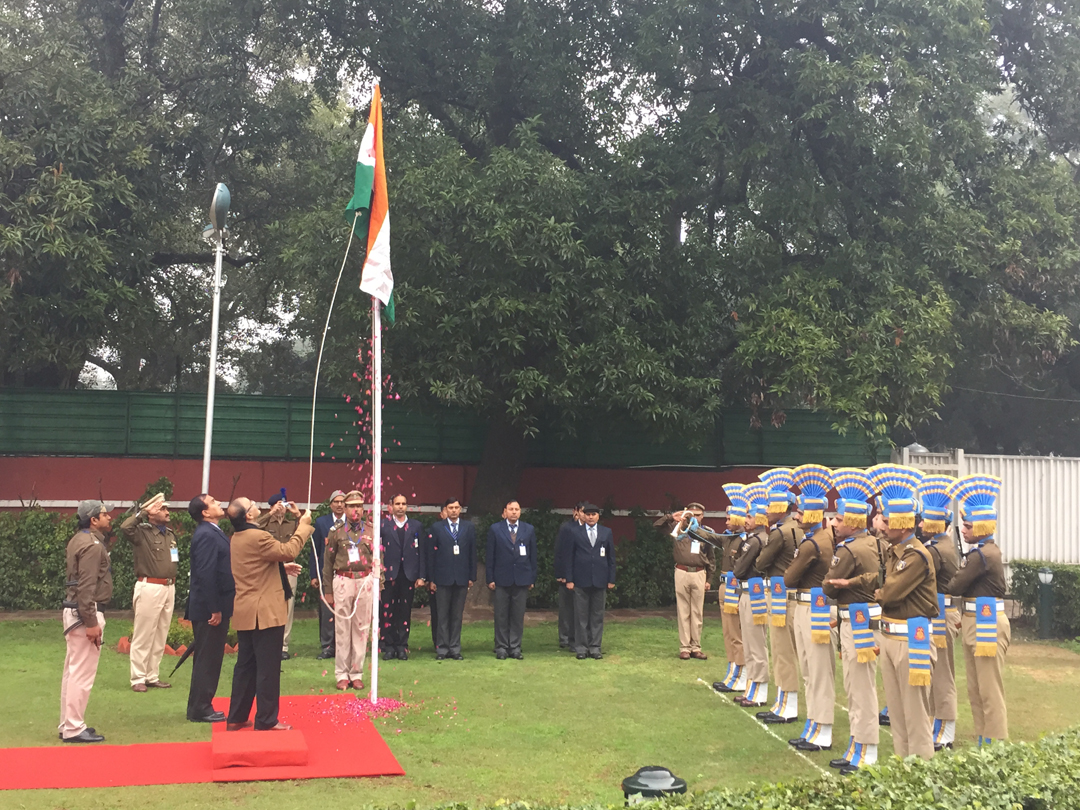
(356, 684)
(160, 685)
(342, 685)
(278, 727)
(698, 654)
(237, 726)
(138, 687)
(684, 655)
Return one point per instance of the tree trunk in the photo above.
(501, 464)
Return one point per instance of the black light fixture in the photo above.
(651, 782)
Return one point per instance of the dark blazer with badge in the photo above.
(591, 566)
(443, 567)
(505, 564)
(408, 558)
(212, 586)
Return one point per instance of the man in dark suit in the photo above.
(567, 624)
(511, 573)
(323, 526)
(590, 575)
(209, 606)
(261, 567)
(451, 571)
(403, 567)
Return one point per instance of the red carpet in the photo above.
(341, 741)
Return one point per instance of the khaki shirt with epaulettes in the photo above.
(946, 559)
(731, 549)
(910, 587)
(283, 529)
(89, 575)
(336, 556)
(779, 549)
(981, 573)
(748, 553)
(812, 560)
(856, 560)
(151, 548)
(705, 556)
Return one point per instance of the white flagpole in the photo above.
(209, 435)
(376, 487)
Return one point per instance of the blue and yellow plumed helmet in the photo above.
(758, 495)
(779, 483)
(737, 511)
(855, 491)
(978, 496)
(814, 483)
(933, 495)
(897, 485)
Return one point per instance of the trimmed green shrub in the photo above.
(1066, 585)
(180, 634)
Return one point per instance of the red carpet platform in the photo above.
(333, 732)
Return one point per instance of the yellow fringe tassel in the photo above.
(820, 636)
(939, 641)
(984, 528)
(867, 656)
(815, 516)
(855, 521)
(779, 621)
(932, 527)
(986, 650)
(762, 619)
(731, 609)
(904, 521)
(918, 678)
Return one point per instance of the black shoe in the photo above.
(847, 770)
(581, 656)
(389, 656)
(795, 742)
(778, 720)
(440, 657)
(60, 734)
(457, 656)
(403, 655)
(597, 656)
(839, 763)
(500, 655)
(883, 720)
(763, 715)
(325, 655)
(285, 655)
(942, 746)
(517, 655)
(213, 717)
(720, 686)
(85, 736)
(806, 745)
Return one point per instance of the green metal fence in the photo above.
(132, 423)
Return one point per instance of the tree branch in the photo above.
(170, 259)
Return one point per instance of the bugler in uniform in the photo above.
(735, 677)
(754, 600)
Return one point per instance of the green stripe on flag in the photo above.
(361, 200)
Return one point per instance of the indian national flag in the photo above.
(369, 212)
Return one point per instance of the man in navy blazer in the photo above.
(209, 606)
(511, 573)
(403, 566)
(323, 526)
(567, 623)
(450, 566)
(590, 575)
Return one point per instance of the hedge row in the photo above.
(1066, 589)
(33, 543)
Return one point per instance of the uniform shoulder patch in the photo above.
(796, 552)
(963, 562)
(900, 566)
(745, 546)
(835, 560)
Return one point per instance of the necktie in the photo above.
(513, 532)
(453, 530)
(592, 536)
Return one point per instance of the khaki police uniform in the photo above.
(857, 559)
(695, 561)
(282, 530)
(89, 585)
(943, 680)
(729, 622)
(755, 645)
(773, 561)
(347, 566)
(982, 573)
(817, 661)
(155, 556)
(909, 591)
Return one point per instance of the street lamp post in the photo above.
(219, 210)
(1046, 602)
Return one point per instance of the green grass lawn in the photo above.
(549, 729)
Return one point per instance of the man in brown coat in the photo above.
(261, 566)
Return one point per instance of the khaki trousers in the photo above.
(782, 640)
(818, 663)
(153, 605)
(733, 646)
(80, 669)
(690, 607)
(860, 684)
(986, 690)
(943, 677)
(351, 635)
(755, 646)
(911, 722)
(289, 618)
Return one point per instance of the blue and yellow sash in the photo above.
(985, 627)
(937, 624)
(759, 601)
(778, 607)
(820, 617)
(731, 594)
(859, 616)
(918, 651)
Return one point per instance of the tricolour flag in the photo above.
(369, 212)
